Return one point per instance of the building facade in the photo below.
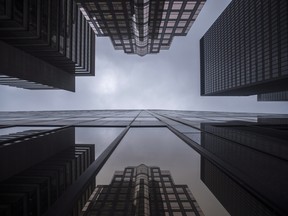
(142, 26)
(142, 190)
(38, 165)
(51, 41)
(274, 96)
(244, 149)
(240, 158)
(245, 51)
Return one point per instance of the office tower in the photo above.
(142, 190)
(274, 96)
(244, 149)
(44, 44)
(142, 26)
(242, 157)
(37, 167)
(245, 51)
(34, 190)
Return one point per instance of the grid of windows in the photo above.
(21, 83)
(56, 32)
(142, 26)
(274, 96)
(142, 189)
(246, 46)
(38, 187)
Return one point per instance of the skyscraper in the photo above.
(273, 96)
(142, 26)
(242, 159)
(244, 149)
(50, 41)
(245, 51)
(38, 166)
(142, 190)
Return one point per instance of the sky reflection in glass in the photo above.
(144, 145)
(101, 137)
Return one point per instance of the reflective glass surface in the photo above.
(11, 130)
(144, 145)
(101, 137)
(231, 162)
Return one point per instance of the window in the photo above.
(169, 190)
(177, 5)
(173, 15)
(171, 23)
(103, 6)
(183, 197)
(171, 197)
(186, 205)
(190, 5)
(185, 15)
(174, 205)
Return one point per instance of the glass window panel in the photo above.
(101, 137)
(190, 5)
(182, 23)
(12, 130)
(179, 30)
(174, 205)
(182, 196)
(168, 30)
(177, 5)
(145, 146)
(186, 205)
(185, 15)
(171, 23)
(171, 197)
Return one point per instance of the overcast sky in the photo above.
(168, 80)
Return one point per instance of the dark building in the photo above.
(274, 96)
(248, 153)
(37, 167)
(242, 161)
(142, 190)
(51, 41)
(245, 51)
(142, 26)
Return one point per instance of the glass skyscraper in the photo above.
(245, 51)
(233, 163)
(142, 190)
(50, 41)
(142, 26)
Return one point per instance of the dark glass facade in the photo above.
(142, 26)
(240, 160)
(274, 96)
(37, 167)
(245, 51)
(251, 152)
(56, 33)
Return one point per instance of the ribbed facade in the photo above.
(246, 149)
(34, 190)
(245, 51)
(274, 96)
(55, 32)
(142, 26)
